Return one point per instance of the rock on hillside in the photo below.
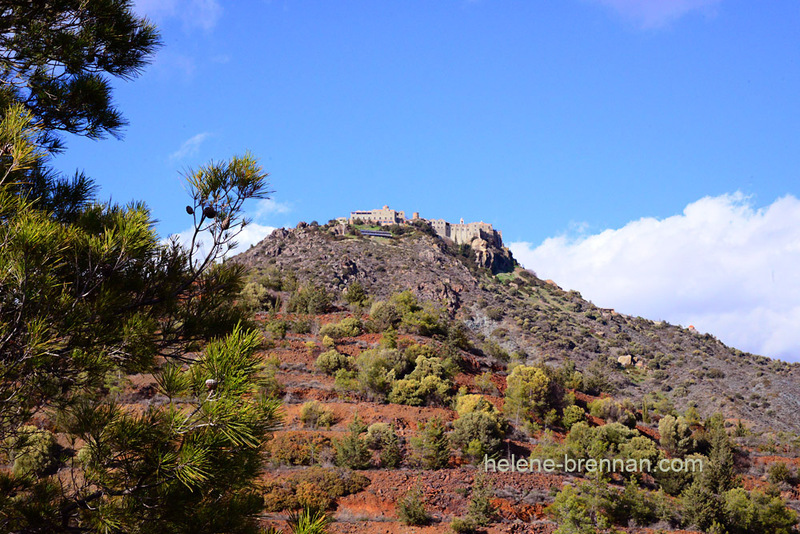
(516, 313)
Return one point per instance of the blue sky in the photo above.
(564, 124)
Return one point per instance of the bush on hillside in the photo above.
(352, 450)
(411, 508)
(532, 392)
(299, 448)
(430, 448)
(33, 451)
(310, 299)
(355, 294)
(428, 383)
(255, 298)
(348, 327)
(314, 414)
(383, 438)
(331, 361)
(315, 487)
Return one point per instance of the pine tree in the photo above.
(89, 293)
(57, 59)
(431, 448)
(352, 450)
(719, 474)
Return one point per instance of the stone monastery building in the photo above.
(460, 233)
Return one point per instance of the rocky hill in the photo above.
(511, 314)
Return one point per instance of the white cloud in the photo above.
(250, 235)
(656, 13)
(722, 265)
(190, 147)
(202, 14)
(268, 206)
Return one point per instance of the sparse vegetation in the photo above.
(314, 414)
(331, 361)
(430, 448)
(349, 327)
(315, 487)
(533, 393)
(311, 299)
(352, 450)
(479, 429)
(411, 508)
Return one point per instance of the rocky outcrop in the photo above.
(496, 258)
(422, 263)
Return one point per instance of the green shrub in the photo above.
(314, 414)
(595, 380)
(480, 510)
(632, 504)
(480, 428)
(532, 392)
(299, 448)
(311, 299)
(612, 411)
(590, 507)
(478, 434)
(393, 359)
(425, 322)
(675, 482)
(301, 326)
(348, 327)
(676, 435)
(715, 373)
(346, 380)
(430, 447)
(403, 310)
(377, 433)
(428, 383)
(277, 328)
(352, 450)
(33, 451)
(314, 487)
(572, 414)
(779, 472)
(412, 352)
(331, 361)
(384, 315)
(579, 510)
(391, 454)
(745, 512)
(375, 372)
(355, 294)
(474, 403)
(255, 297)
(411, 508)
(463, 525)
(270, 386)
(383, 438)
(429, 390)
(495, 314)
(611, 441)
(310, 520)
(389, 339)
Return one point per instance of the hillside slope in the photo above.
(517, 315)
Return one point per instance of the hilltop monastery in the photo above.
(459, 233)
